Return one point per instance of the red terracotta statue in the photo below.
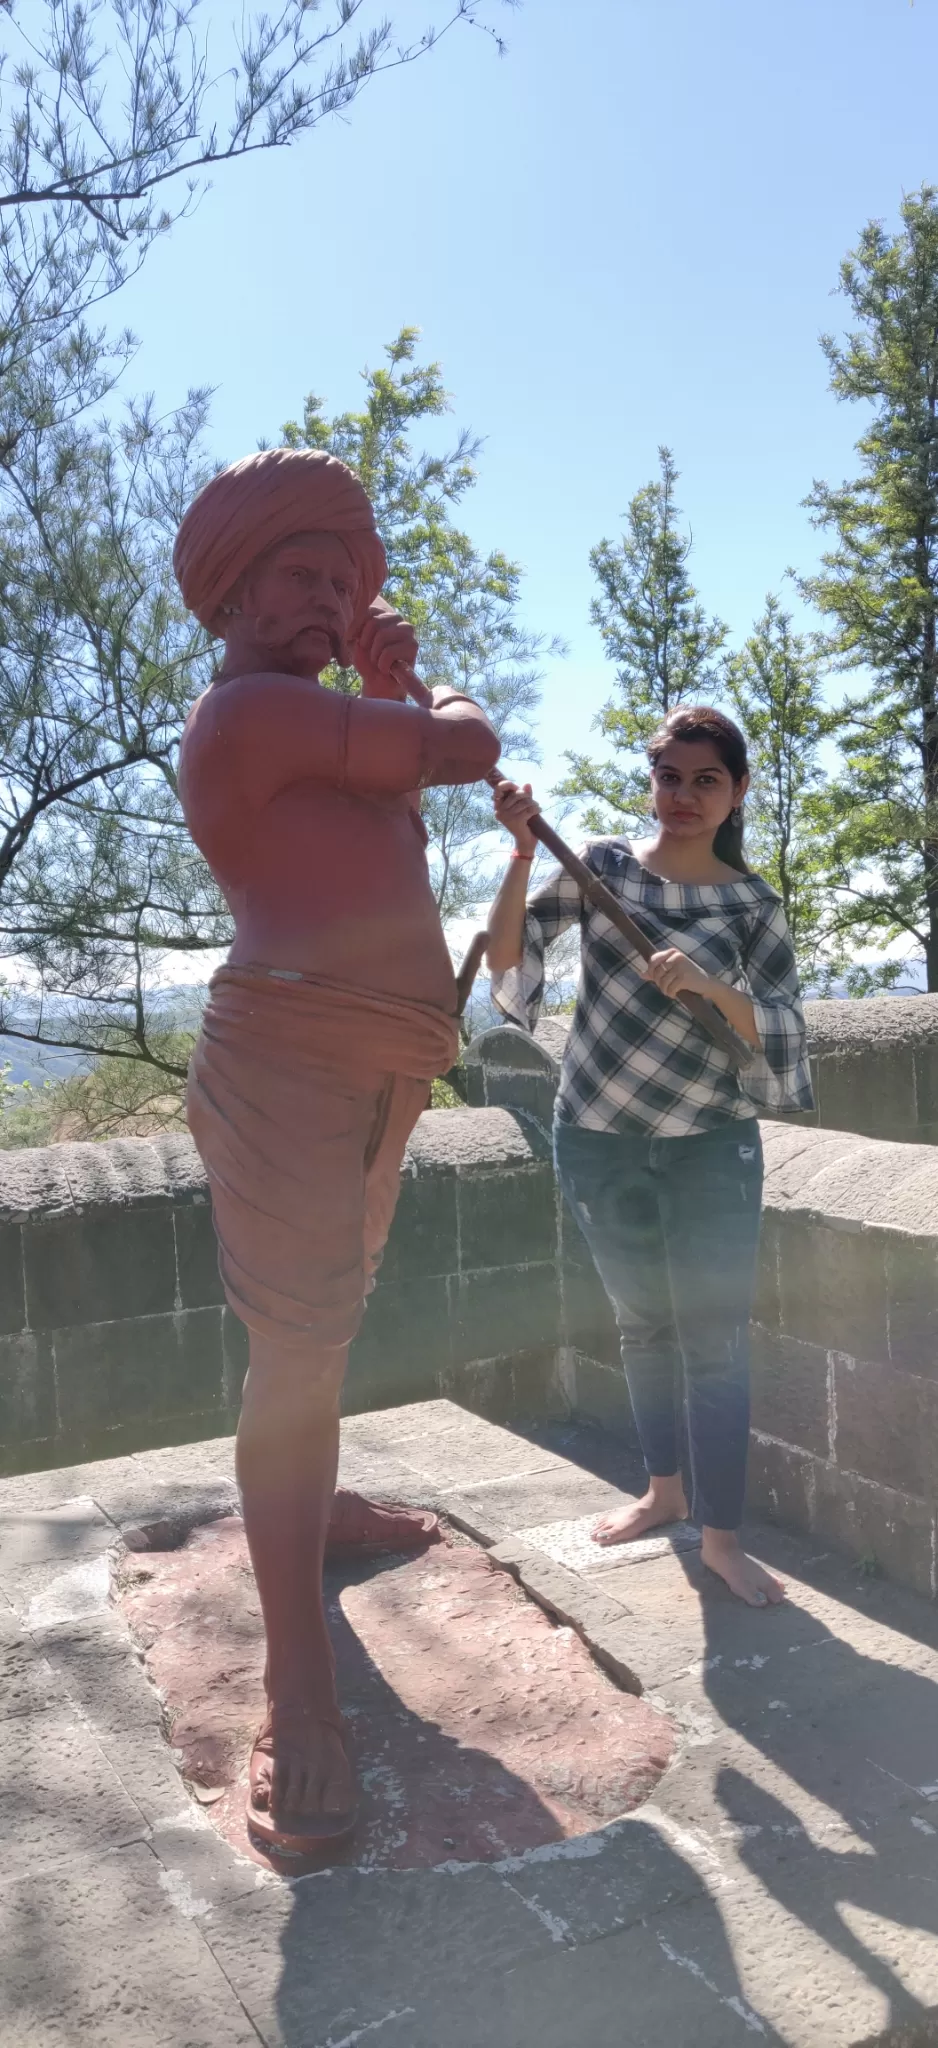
(322, 1032)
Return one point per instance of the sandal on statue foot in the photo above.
(297, 1834)
(378, 1535)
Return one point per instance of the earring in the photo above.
(736, 815)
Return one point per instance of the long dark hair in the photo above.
(701, 722)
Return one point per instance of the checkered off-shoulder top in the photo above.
(635, 1061)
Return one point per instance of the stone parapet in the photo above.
(874, 1065)
(114, 1335)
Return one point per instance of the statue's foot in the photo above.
(302, 1797)
(357, 1526)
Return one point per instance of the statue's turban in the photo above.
(264, 499)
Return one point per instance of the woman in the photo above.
(656, 1142)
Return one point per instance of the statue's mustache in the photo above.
(275, 634)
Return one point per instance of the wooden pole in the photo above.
(704, 1013)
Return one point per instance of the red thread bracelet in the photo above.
(521, 856)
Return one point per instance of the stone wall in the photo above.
(114, 1337)
(874, 1065)
(845, 1351)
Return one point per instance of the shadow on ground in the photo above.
(855, 1734)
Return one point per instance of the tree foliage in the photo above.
(113, 112)
(775, 687)
(657, 633)
(463, 603)
(878, 591)
(112, 115)
(100, 885)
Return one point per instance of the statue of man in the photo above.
(322, 1033)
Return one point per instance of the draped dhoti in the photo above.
(302, 1096)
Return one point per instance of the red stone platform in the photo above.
(480, 1728)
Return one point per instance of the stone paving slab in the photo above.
(781, 1886)
(74, 1528)
(59, 1795)
(106, 1952)
(570, 1542)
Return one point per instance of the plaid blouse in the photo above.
(636, 1061)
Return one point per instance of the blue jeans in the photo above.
(673, 1227)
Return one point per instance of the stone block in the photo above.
(97, 1668)
(147, 1433)
(234, 1345)
(925, 1065)
(461, 1141)
(423, 1239)
(193, 1377)
(34, 1183)
(321, 1962)
(403, 1345)
(505, 1310)
(602, 1396)
(502, 1390)
(12, 1294)
(912, 1293)
(507, 1219)
(43, 1595)
(124, 1172)
(28, 1684)
(574, 1249)
(154, 1366)
(527, 1499)
(767, 1306)
(472, 1451)
(537, 1392)
(886, 1530)
(790, 1390)
(197, 1256)
(102, 1267)
(589, 1322)
(833, 1287)
(887, 1426)
(575, 1601)
(75, 1802)
(53, 1535)
(780, 1482)
(109, 1951)
(616, 1646)
(506, 1049)
(475, 1085)
(27, 1389)
(532, 1096)
(870, 1090)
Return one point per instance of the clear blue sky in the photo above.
(626, 232)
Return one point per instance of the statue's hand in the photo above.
(385, 641)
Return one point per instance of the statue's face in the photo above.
(297, 602)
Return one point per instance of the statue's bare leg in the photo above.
(302, 1783)
(359, 1525)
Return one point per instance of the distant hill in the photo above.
(179, 1007)
(176, 1008)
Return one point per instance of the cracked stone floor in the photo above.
(780, 1884)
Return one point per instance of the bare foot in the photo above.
(359, 1525)
(723, 1553)
(302, 1786)
(664, 1502)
